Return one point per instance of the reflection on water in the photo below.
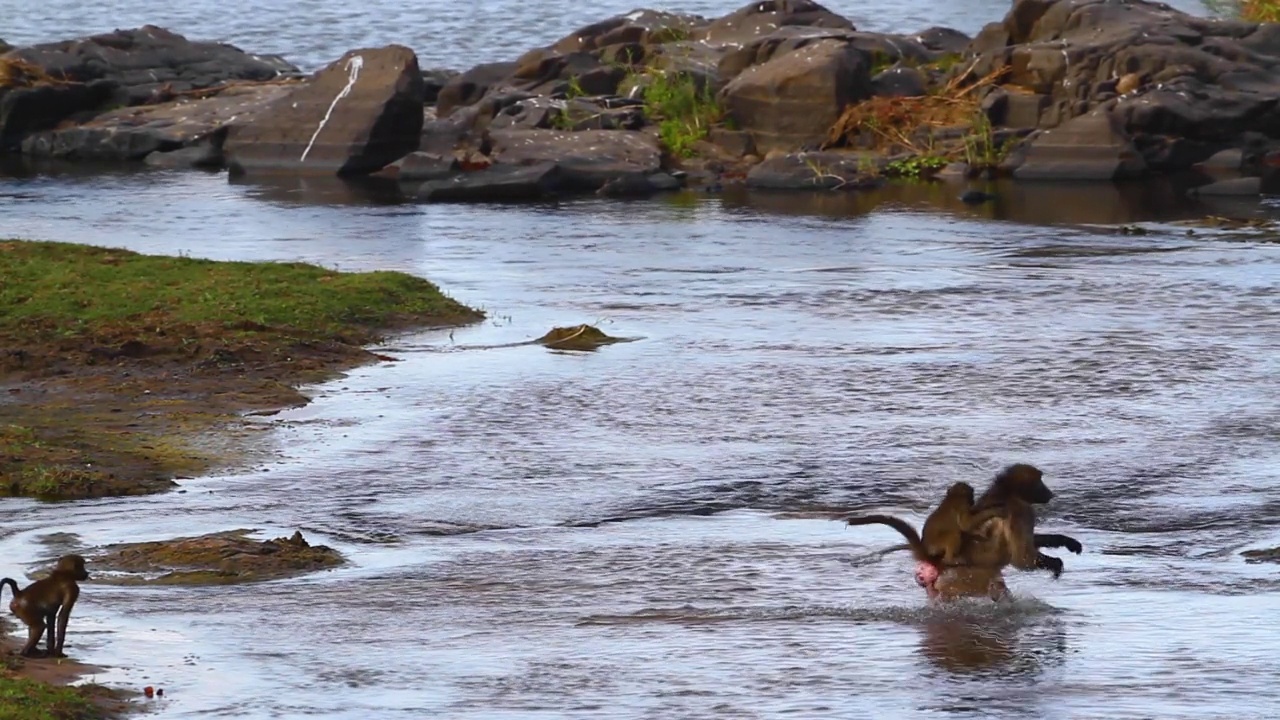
(643, 531)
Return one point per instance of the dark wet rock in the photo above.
(1089, 147)
(575, 115)
(4, 47)
(215, 559)
(1015, 109)
(879, 50)
(469, 87)
(420, 167)
(976, 197)
(587, 160)
(1160, 73)
(813, 171)
(693, 59)
(353, 117)
(1240, 186)
(736, 143)
(792, 101)
(944, 40)
(640, 27)
(143, 60)
(1257, 556)
(1223, 161)
(900, 81)
(496, 183)
(639, 185)
(206, 153)
(433, 81)
(547, 73)
(577, 337)
(24, 110)
(530, 114)
(465, 129)
(765, 16)
(134, 133)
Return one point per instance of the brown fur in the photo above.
(1008, 539)
(942, 540)
(46, 602)
(947, 531)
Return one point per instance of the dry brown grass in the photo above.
(18, 73)
(902, 123)
(1260, 10)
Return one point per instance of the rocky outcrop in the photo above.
(1176, 87)
(587, 160)
(778, 94)
(215, 559)
(793, 100)
(148, 61)
(814, 171)
(355, 116)
(135, 133)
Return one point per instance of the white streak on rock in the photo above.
(353, 68)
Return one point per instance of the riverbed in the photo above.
(638, 531)
(641, 531)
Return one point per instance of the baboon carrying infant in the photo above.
(966, 544)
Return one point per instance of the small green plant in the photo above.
(945, 63)
(575, 88)
(685, 111)
(668, 35)
(881, 61)
(917, 166)
(980, 147)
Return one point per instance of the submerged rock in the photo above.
(577, 337)
(496, 183)
(216, 559)
(353, 117)
(814, 171)
(1257, 556)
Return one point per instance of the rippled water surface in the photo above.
(444, 33)
(793, 358)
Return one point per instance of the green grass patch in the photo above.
(66, 290)
(684, 111)
(24, 699)
(919, 166)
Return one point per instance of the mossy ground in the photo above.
(115, 366)
(37, 690)
(25, 699)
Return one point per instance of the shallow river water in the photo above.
(792, 356)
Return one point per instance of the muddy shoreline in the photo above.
(100, 399)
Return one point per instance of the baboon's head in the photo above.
(71, 566)
(1026, 482)
(961, 491)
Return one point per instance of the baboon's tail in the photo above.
(902, 526)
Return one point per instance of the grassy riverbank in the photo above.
(115, 367)
(38, 690)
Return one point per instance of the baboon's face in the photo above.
(1028, 483)
(73, 565)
